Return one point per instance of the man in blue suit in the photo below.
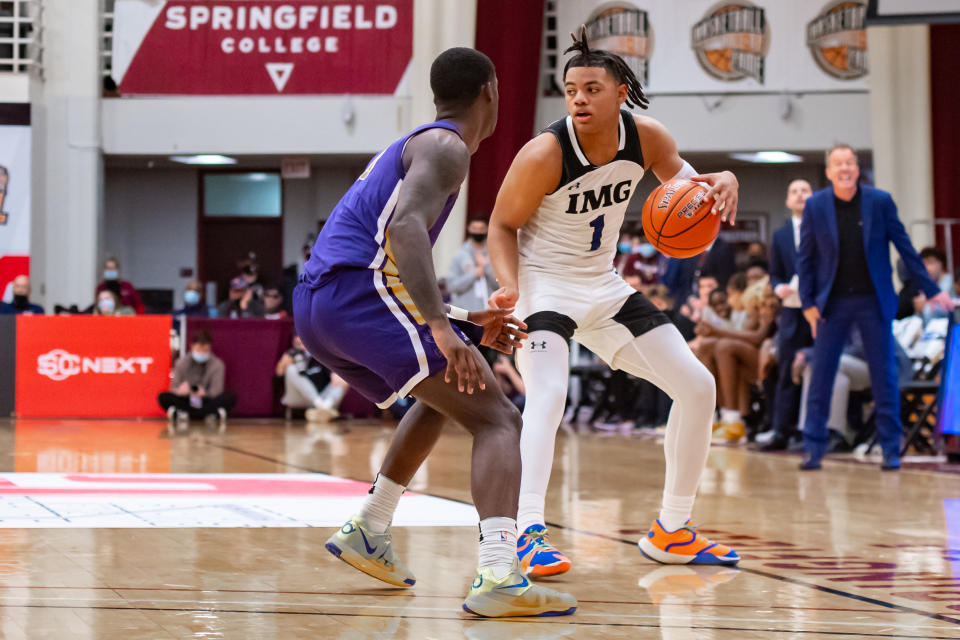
(793, 332)
(845, 279)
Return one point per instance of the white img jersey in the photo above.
(575, 229)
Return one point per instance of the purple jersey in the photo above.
(357, 235)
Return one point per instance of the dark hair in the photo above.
(614, 64)
(933, 252)
(759, 262)
(457, 75)
(836, 146)
(201, 337)
(738, 282)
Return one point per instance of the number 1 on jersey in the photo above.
(597, 224)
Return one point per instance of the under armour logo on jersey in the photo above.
(538, 345)
(573, 186)
(597, 198)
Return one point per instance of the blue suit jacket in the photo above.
(783, 254)
(817, 258)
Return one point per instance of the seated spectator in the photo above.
(757, 252)
(309, 385)
(641, 267)
(250, 271)
(21, 304)
(704, 346)
(935, 261)
(108, 304)
(470, 279)
(196, 390)
(240, 303)
(193, 305)
(681, 274)
(757, 270)
(737, 355)
(694, 306)
(273, 303)
(659, 295)
(126, 293)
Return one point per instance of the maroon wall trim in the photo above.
(511, 33)
(944, 104)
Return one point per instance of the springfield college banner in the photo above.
(203, 47)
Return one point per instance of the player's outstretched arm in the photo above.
(535, 172)
(661, 155)
(438, 164)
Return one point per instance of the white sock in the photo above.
(530, 511)
(675, 511)
(498, 545)
(543, 363)
(730, 415)
(381, 502)
(662, 357)
(332, 395)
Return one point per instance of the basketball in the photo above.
(677, 220)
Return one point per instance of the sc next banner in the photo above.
(198, 47)
(91, 366)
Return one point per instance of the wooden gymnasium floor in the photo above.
(845, 553)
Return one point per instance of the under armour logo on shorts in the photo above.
(533, 345)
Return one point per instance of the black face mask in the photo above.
(478, 237)
(21, 303)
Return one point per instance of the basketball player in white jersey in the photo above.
(552, 240)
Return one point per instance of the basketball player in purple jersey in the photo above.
(369, 308)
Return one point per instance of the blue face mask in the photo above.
(191, 297)
(200, 357)
(647, 250)
(110, 274)
(624, 247)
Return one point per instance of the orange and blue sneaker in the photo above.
(684, 546)
(537, 556)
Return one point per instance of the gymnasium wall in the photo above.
(150, 218)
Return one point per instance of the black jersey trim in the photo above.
(573, 167)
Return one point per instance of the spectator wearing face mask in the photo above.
(471, 280)
(642, 263)
(241, 303)
(21, 304)
(193, 301)
(125, 292)
(196, 390)
(108, 304)
(273, 304)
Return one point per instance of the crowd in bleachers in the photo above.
(727, 306)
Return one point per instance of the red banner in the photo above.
(92, 366)
(196, 47)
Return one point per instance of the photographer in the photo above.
(196, 390)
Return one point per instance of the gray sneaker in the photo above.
(371, 553)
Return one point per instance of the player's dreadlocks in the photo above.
(618, 68)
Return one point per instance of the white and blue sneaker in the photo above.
(371, 553)
(515, 595)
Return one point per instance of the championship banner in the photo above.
(90, 366)
(261, 47)
(726, 46)
(14, 206)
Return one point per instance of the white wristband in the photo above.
(686, 172)
(458, 314)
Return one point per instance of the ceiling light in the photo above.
(767, 157)
(204, 158)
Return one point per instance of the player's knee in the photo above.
(506, 417)
(698, 383)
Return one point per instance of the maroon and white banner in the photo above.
(199, 47)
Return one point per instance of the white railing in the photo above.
(16, 35)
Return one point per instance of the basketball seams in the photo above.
(706, 216)
(693, 185)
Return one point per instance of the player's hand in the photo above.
(504, 298)
(463, 362)
(812, 314)
(725, 191)
(944, 300)
(501, 331)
